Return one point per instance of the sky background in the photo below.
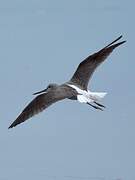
(43, 41)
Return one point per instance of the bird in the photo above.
(74, 89)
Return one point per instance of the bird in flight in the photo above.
(74, 89)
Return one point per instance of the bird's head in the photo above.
(50, 87)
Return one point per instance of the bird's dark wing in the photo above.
(87, 67)
(38, 104)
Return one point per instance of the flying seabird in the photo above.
(74, 89)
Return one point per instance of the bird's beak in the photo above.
(39, 92)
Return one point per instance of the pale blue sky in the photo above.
(43, 41)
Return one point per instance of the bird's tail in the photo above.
(97, 96)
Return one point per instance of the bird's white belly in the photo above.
(87, 96)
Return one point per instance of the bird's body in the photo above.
(75, 89)
(86, 96)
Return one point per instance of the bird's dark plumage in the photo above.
(87, 67)
(37, 105)
(42, 102)
(54, 93)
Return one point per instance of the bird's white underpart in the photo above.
(87, 96)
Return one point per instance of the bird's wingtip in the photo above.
(9, 127)
(114, 44)
(12, 125)
(118, 44)
(120, 38)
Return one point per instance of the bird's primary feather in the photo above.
(87, 67)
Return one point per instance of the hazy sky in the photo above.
(43, 41)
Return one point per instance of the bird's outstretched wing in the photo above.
(87, 67)
(38, 104)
